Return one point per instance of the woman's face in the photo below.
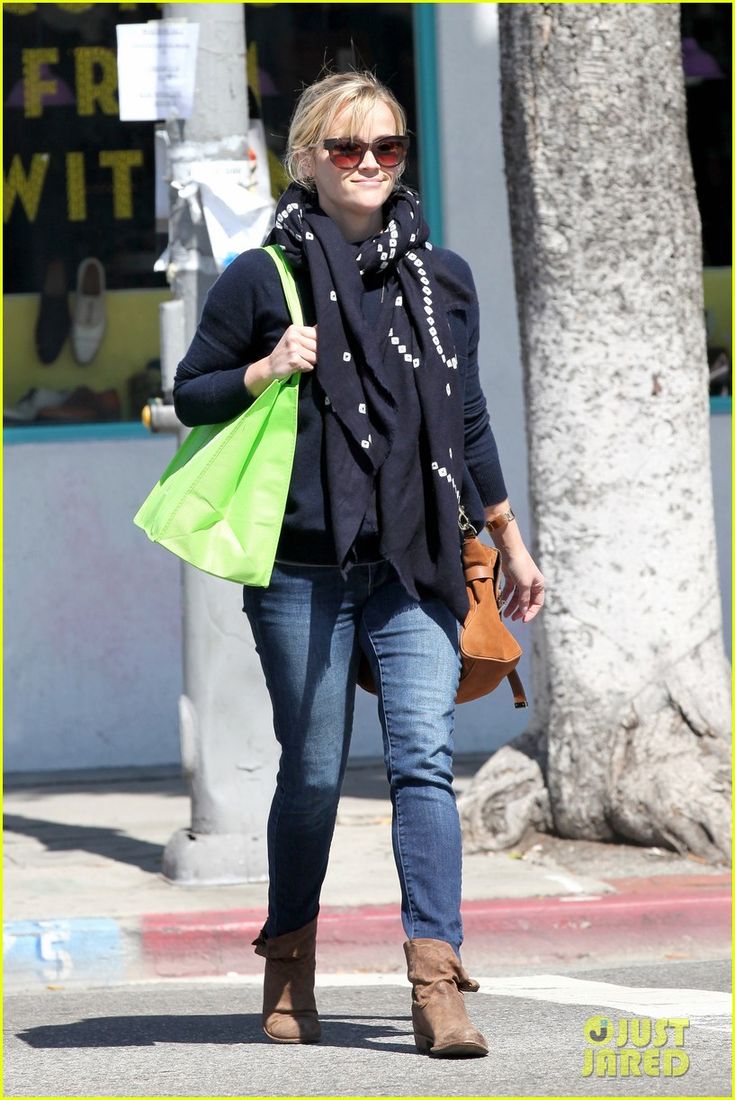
(357, 193)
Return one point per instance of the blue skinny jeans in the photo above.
(309, 626)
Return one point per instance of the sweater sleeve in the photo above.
(242, 320)
(481, 451)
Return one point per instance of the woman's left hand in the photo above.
(524, 584)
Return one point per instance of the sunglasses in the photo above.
(389, 152)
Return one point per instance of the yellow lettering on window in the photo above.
(76, 190)
(27, 188)
(90, 92)
(121, 161)
(78, 8)
(34, 85)
(19, 9)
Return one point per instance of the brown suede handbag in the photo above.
(489, 651)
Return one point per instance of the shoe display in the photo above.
(26, 410)
(54, 320)
(83, 406)
(89, 321)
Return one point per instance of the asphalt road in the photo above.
(204, 1039)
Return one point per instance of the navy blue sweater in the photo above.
(244, 317)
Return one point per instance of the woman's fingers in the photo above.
(304, 363)
(526, 601)
(536, 601)
(508, 611)
(295, 351)
(306, 342)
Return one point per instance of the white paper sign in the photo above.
(256, 141)
(156, 69)
(237, 217)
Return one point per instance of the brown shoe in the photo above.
(289, 1008)
(441, 1026)
(83, 405)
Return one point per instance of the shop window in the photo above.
(289, 44)
(81, 299)
(81, 295)
(706, 31)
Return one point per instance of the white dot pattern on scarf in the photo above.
(421, 338)
(425, 282)
(389, 253)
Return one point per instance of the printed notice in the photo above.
(156, 68)
(237, 217)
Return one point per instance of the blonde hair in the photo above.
(319, 105)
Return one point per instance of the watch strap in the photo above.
(500, 520)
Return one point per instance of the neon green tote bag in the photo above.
(220, 502)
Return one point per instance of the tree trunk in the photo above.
(630, 732)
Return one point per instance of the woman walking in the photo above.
(393, 434)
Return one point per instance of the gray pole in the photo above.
(225, 719)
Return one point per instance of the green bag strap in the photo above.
(287, 282)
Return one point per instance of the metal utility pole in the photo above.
(225, 718)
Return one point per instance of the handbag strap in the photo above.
(519, 695)
(484, 571)
(288, 282)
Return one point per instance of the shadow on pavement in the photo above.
(146, 1031)
(104, 841)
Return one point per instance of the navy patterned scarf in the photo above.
(393, 412)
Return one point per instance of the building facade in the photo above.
(93, 611)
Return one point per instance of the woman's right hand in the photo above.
(295, 351)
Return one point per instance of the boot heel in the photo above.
(289, 1008)
(441, 1026)
(423, 1043)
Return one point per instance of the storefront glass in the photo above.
(706, 31)
(288, 45)
(81, 294)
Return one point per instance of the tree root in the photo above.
(507, 798)
(669, 787)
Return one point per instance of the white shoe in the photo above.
(27, 409)
(89, 319)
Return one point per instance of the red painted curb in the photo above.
(216, 943)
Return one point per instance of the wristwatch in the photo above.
(500, 520)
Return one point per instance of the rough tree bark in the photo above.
(630, 734)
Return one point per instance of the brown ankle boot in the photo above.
(441, 1026)
(289, 1008)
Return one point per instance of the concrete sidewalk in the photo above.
(85, 901)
